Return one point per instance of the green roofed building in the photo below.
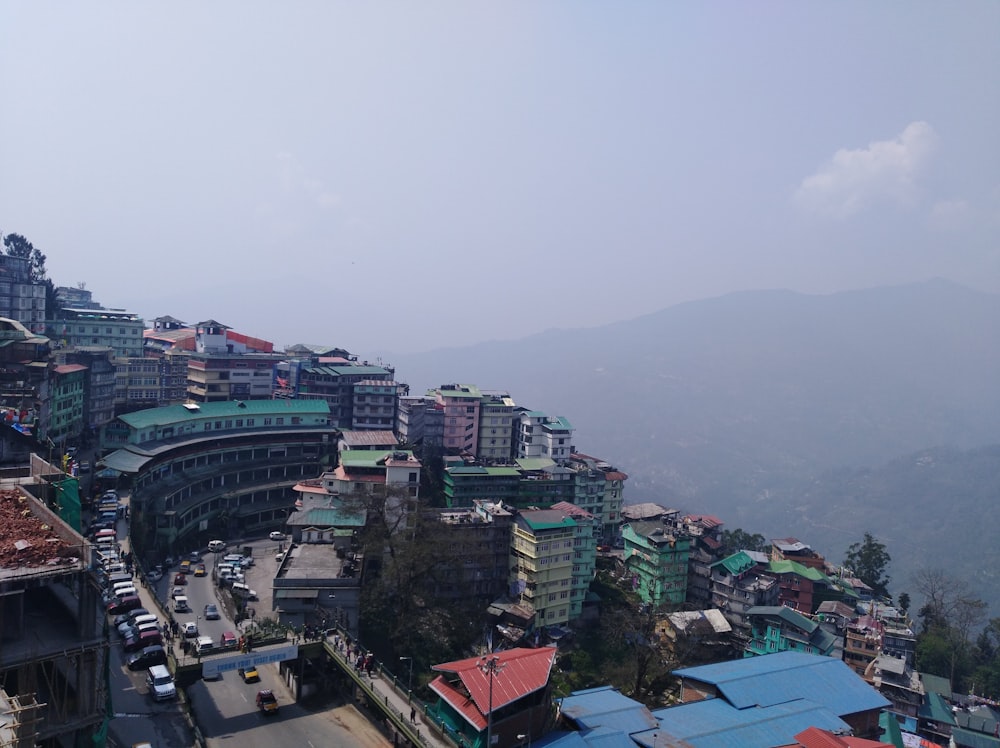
(656, 556)
(802, 587)
(218, 470)
(781, 629)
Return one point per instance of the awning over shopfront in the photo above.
(124, 461)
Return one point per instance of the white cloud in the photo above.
(855, 180)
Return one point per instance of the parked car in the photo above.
(154, 654)
(277, 535)
(142, 640)
(160, 683)
(130, 616)
(249, 674)
(211, 612)
(124, 605)
(267, 702)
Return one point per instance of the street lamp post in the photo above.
(491, 666)
(410, 687)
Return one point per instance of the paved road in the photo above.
(224, 708)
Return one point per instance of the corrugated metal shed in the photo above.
(606, 707)
(714, 723)
(788, 676)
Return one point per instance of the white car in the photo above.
(277, 535)
(189, 629)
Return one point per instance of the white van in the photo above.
(243, 590)
(181, 604)
(126, 592)
(121, 584)
(216, 546)
(204, 644)
(161, 683)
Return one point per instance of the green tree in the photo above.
(740, 540)
(868, 561)
(904, 601)
(949, 615)
(16, 245)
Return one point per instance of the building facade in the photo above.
(216, 470)
(656, 556)
(116, 329)
(21, 298)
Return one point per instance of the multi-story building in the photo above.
(584, 556)
(54, 650)
(62, 404)
(224, 367)
(738, 584)
(420, 420)
(600, 489)
(23, 369)
(461, 404)
(99, 384)
(541, 563)
(862, 641)
(116, 329)
(478, 544)
(76, 297)
(463, 484)
(657, 558)
(540, 435)
(21, 298)
(781, 629)
(334, 379)
(216, 470)
(496, 428)
(802, 587)
(373, 472)
(374, 405)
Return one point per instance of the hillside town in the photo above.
(329, 514)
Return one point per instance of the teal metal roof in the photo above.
(736, 564)
(535, 463)
(172, 414)
(328, 517)
(937, 709)
(793, 567)
(786, 614)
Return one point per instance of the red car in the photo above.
(180, 579)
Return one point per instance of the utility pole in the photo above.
(490, 665)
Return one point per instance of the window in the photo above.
(470, 409)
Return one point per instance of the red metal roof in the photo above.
(814, 737)
(520, 672)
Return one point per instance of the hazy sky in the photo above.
(406, 176)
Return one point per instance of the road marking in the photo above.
(244, 697)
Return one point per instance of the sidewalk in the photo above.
(407, 713)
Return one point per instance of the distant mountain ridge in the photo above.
(731, 405)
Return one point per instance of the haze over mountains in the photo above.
(768, 409)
